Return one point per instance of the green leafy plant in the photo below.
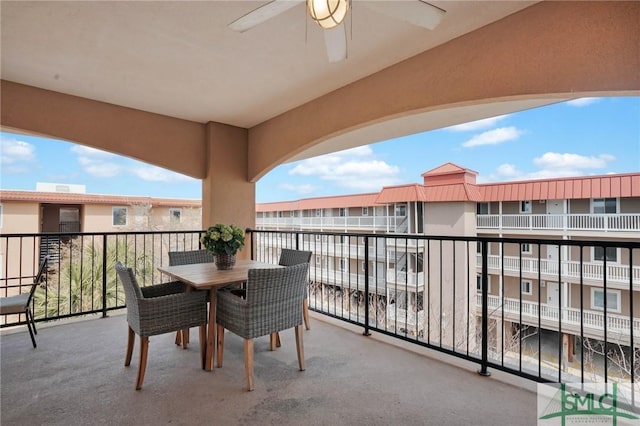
(223, 239)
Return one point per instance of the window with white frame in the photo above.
(318, 212)
(482, 208)
(613, 299)
(317, 237)
(604, 206)
(525, 248)
(526, 287)
(611, 254)
(280, 213)
(365, 211)
(401, 210)
(293, 213)
(119, 216)
(525, 206)
(342, 212)
(318, 261)
(175, 215)
(344, 263)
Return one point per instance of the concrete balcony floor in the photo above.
(76, 376)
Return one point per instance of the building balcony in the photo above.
(569, 320)
(592, 273)
(344, 223)
(614, 223)
(77, 376)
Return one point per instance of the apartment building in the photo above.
(531, 283)
(67, 208)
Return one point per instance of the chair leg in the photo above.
(179, 338)
(144, 350)
(272, 341)
(130, 340)
(305, 314)
(185, 338)
(248, 363)
(29, 326)
(33, 321)
(220, 344)
(202, 341)
(300, 347)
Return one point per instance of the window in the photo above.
(525, 206)
(318, 261)
(401, 210)
(604, 206)
(365, 211)
(613, 299)
(293, 213)
(279, 213)
(526, 287)
(611, 254)
(525, 248)
(119, 216)
(342, 212)
(318, 212)
(482, 208)
(343, 264)
(317, 237)
(175, 215)
(479, 283)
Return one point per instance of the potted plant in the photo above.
(223, 241)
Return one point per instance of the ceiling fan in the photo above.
(330, 14)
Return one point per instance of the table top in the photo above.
(207, 275)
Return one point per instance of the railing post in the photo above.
(104, 275)
(366, 287)
(485, 311)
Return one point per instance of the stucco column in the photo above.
(227, 195)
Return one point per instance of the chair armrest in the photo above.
(163, 289)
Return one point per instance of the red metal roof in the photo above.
(357, 200)
(74, 198)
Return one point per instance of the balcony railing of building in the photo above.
(428, 298)
(368, 223)
(560, 222)
(594, 272)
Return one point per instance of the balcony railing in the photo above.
(560, 222)
(438, 307)
(571, 270)
(369, 223)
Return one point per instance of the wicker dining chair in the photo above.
(159, 309)
(290, 257)
(272, 304)
(21, 303)
(188, 257)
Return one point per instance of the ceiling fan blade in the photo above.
(262, 14)
(336, 42)
(416, 12)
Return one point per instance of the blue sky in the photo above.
(587, 136)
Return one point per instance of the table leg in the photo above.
(211, 330)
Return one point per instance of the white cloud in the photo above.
(552, 165)
(16, 156)
(99, 168)
(157, 174)
(572, 161)
(494, 137)
(478, 124)
(580, 102)
(355, 168)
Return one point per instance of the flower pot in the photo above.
(225, 261)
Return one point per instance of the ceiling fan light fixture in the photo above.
(328, 13)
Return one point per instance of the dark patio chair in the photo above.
(159, 309)
(21, 303)
(272, 304)
(188, 257)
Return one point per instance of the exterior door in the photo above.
(553, 294)
(555, 214)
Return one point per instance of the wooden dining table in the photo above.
(206, 276)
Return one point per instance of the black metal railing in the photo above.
(531, 307)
